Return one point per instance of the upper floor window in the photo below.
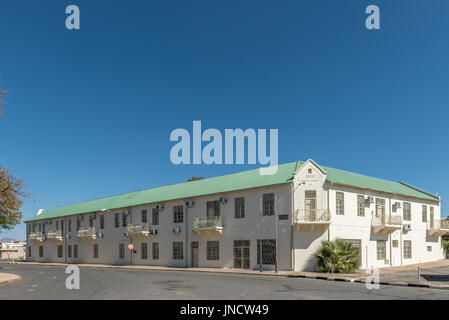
(155, 217)
(213, 208)
(143, 216)
(424, 213)
(102, 221)
(69, 225)
(360, 206)
(117, 220)
(268, 204)
(124, 220)
(78, 223)
(380, 208)
(178, 214)
(239, 207)
(407, 211)
(340, 203)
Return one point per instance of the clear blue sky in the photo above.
(91, 111)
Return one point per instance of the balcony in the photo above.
(437, 227)
(36, 237)
(88, 233)
(140, 230)
(208, 225)
(55, 235)
(311, 219)
(386, 225)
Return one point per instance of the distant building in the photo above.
(13, 250)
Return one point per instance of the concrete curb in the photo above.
(12, 278)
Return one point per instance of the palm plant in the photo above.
(445, 245)
(337, 256)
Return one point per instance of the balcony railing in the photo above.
(140, 230)
(311, 219)
(55, 235)
(36, 236)
(386, 224)
(88, 233)
(208, 224)
(437, 227)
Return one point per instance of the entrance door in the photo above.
(310, 205)
(194, 245)
(241, 254)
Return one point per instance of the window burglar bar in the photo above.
(207, 222)
(384, 220)
(138, 227)
(312, 215)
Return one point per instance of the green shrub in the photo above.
(338, 255)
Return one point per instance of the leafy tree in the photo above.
(11, 199)
(194, 178)
(338, 256)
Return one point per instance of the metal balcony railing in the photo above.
(87, 232)
(39, 236)
(393, 220)
(208, 222)
(312, 215)
(438, 224)
(138, 227)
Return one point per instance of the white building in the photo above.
(219, 222)
(13, 250)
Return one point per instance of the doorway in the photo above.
(241, 254)
(194, 246)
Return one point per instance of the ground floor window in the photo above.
(213, 250)
(95, 250)
(241, 254)
(59, 251)
(144, 251)
(407, 249)
(155, 250)
(29, 251)
(75, 251)
(178, 253)
(381, 249)
(41, 251)
(268, 251)
(69, 251)
(121, 251)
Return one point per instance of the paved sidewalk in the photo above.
(8, 278)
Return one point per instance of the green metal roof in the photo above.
(225, 183)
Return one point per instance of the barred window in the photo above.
(121, 251)
(117, 220)
(29, 251)
(360, 206)
(213, 250)
(178, 215)
(57, 224)
(407, 249)
(78, 223)
(155, 217)
(41, 251)
(95, 250)
(381, 249)
(268, 251)
(424, 213)
(407, 211)
(75, 251)
(239, 207)
(213, 208)
(178, 252)
(69, 226)
(124, 220)
(144, 251)
(268, 204)
(143, 216)
(59, 251)
(380, 208)
(340, 203)
(102, 221)
(155, 250)
(395, 243)
(69, 251)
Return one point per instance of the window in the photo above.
(91, 222)
(268, 204)
(429, 248)
(102, 221)
(381, 249)
(69, 251)
(178, 215)
(155, 250)
(424, 213)
(309, 170)
(340, 203)
(178, 253)
(407, 249)
(213, 250)
(29, 251)
(75, 251)
(41, 251)
(155, 217)
(407, 212)
(213, 208)
(283, 217)
(143, 216)
(57, 224)
(144, 251)
(124, 219)
(268, 251)
(121, 251)
(59, 251)
(78, 223)
(395, 243)
(380, 208)
(241, 254)
(95, 250)
(239, 204)
(117, 220)
(360, 206)
(69, 226)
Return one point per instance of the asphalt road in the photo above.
(48, 282)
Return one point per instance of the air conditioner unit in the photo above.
(190, 203)
(369, 199)
(177, 229)
(398, 205)
(126, 212)
(93, 216)
(50, 222)
(223, 199)
(100, 235)
(153, 231)
(160, 207)
(407, 227)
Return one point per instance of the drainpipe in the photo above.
(292, 250)
(187, 235)
(329, 210)
(65, 239)
(390, 235)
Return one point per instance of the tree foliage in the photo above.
(338, 256)
(11, 199)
